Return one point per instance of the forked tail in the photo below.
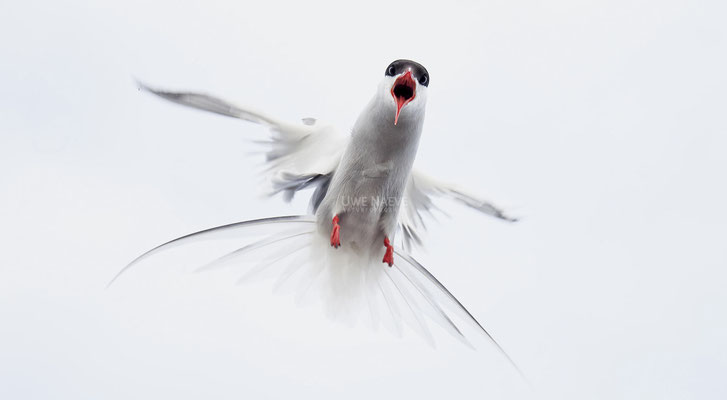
(352, 287)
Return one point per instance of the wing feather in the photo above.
(292, 153)
(419, 201)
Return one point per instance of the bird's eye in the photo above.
(424, 79)
(391, 71)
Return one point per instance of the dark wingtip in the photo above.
(143, 87)
(139, 84)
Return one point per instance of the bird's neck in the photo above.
(376, 123)
(375, 138)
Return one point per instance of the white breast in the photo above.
(367, 187)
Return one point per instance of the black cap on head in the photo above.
(399, 66)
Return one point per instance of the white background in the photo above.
(601, 123)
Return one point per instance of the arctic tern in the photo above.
(365, 194)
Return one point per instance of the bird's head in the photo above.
(405, 88)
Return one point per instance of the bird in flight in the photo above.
(365, 194)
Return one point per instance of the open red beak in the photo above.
(403, 91)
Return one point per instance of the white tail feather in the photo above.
(353, 287)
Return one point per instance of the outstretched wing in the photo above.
(419, 200)
(297, 155)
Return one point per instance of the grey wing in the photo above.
(209, 103)
(297, 155)
(419, 200)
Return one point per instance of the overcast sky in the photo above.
(601, 123)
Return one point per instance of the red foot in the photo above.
(389, 255)
(335, 239)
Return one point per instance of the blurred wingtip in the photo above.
(141, 85)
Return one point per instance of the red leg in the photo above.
(389, 255)
(335, 239)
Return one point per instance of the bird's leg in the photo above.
(335, 239)
(389, 255)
